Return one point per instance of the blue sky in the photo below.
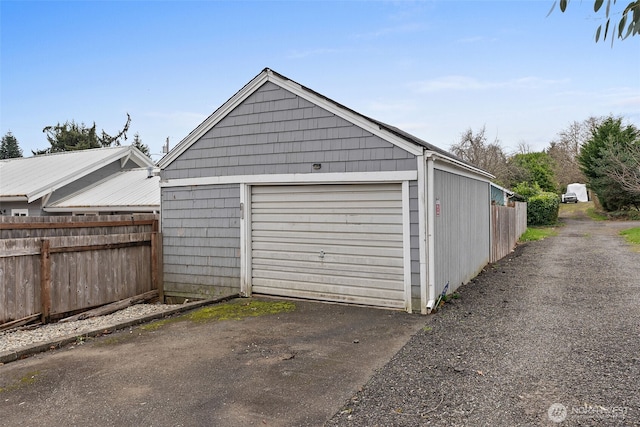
(431, 68)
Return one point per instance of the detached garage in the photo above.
(282, 191)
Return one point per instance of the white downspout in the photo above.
(431, 258)
(422, 231)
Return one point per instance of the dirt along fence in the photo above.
(56, 266)
(508, 223)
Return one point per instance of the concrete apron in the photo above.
(295, 368)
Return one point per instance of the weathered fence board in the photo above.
(507, 225)
(52, 274)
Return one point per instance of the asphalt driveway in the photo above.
(293, 368)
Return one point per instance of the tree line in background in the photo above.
(71, 136)
(602, 152)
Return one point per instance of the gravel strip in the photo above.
(548, 336)
(16, 339)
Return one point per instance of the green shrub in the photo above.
(542, 209)
(527, 190)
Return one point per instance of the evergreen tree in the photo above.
(137, 142)
(72, 136)
(9, 148)
(605, 157)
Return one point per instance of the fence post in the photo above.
(45, 281)
(156, 264)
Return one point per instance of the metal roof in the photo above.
(129, 190)
(33, 177)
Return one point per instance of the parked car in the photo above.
(569, 198)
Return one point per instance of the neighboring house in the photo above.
(282, 191)
(39, 185)
(127, 191)
(500, 195)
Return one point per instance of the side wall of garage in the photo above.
(462, 228)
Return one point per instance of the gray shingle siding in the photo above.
(276, 132)
(272, 132)
(201, 240)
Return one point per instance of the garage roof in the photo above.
(392, 134)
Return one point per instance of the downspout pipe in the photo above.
(422, 231)
(431, 213)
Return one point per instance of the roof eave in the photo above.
(132, 152)
(460, 164)
(16, 198)
(72, 209)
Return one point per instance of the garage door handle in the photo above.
(321, 254)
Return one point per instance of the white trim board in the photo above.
(296, 178)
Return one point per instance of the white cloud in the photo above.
(298, 54)
(398, 29)
(381, 106)
(471, 83)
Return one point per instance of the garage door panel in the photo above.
(347, 228)
(378, 272)
(332, 242)
(328, 279)
(351, 291)
(279, 236)
(343, 261)
(320, 252)
(324, 218)
(348, 206)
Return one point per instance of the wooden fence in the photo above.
(54, 266)
(508, 223)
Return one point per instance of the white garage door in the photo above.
(329, 242)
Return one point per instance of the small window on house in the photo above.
(19, 212)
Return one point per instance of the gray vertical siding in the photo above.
(415, 245)
(462, 230)
(201, 240)
(274, 131)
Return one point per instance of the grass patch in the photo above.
(28, 379)
(574, 209)
(595, 215)
(537, 233)
(233, 310)
(632, 235)
(239, 309)
(157, 324)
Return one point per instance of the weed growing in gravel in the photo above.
(28, 379)
(537, 233)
